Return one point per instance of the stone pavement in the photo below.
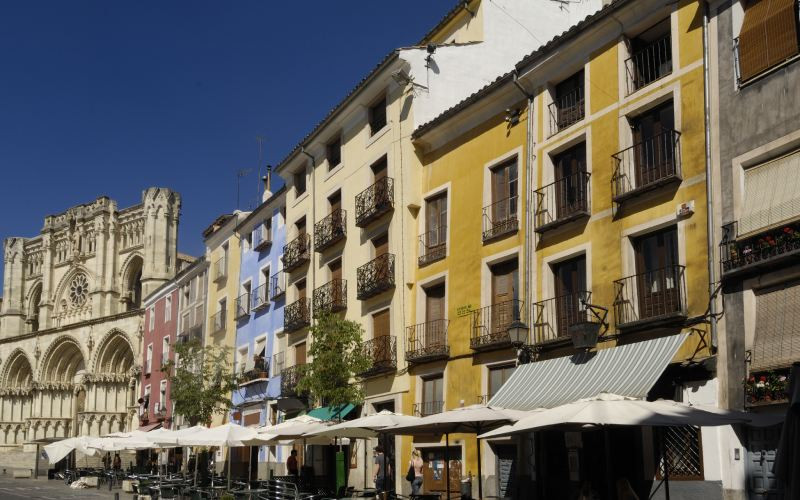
(43, 489)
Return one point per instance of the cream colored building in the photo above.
(70, 322)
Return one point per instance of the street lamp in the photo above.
(585, 333)
(518, 334)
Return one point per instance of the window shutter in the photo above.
(768, 35)
(380, 324)
(777, 339)
(771, 194)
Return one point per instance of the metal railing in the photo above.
(562, 201)
(330, 230)
(296, 252)
(432, 245)
(649, 64)
(289, 379)
(262, 237)
(650, 296)
(428, 408)
(259, 371)
(490, 324)
(500, 218)
(375, 277)
(646, 165)
(243, 305)
(553, 317)
(566, 110)
(220, 269)
(277, 285)
(278, 363)
(330, 297)
(218, 321)
(297, 314)
(427, 341)
(374, 201)
(192, 323)
(760, 250)
(260, 297)
(382, 350)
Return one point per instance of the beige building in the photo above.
(70, 322)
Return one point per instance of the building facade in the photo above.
(71, 319)
(755, 131)
(160, 333)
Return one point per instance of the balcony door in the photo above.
(570, 281)
(657, 275)
(381, 245)
(381, 353)
(300, 354)
(654, 144)
(569, 184)
(505, 293)
(432, 394)
(337, 292)
(436, 221)
(504, 192)
(434, 314)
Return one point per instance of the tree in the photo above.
(201, 381)
(336, 359)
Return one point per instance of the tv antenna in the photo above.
(259, 184)
(239, 174)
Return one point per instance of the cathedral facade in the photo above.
(71, 319)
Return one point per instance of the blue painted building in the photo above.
(259, 318)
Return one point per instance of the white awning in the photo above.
(627, 370)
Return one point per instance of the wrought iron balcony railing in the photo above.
(260, 297)
(500, 218)
(382, 350)
(277, 285)
(330, 230)
(758, 252)
(427, 341)
(243, 305)
(259, 372)
(563, 201)
(432, 246)
(649, 64)
(374, 201)
(657, 296)
(297, 315)
(330, 297)
(220, 269)
(566, 110)
(262, 237)
(296, 252)
(553, 317)
(376, 276)
(647, 165)
(428, 408)
(218, 321)
(490, 325)
(289, 379)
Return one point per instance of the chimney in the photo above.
(267, 179)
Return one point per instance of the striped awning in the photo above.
(628, 370)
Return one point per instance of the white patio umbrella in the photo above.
(60, 449)
(294, 428)
(469, 419)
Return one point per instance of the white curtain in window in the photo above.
(771, 193)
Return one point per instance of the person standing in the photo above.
(291, 464)
(117, 463)
(416, 464)
(380, 474)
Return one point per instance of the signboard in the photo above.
(464, 310)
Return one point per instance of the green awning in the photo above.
(331, 412)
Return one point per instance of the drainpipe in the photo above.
(709, 190)
(312, 194)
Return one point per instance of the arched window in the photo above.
(133, 283)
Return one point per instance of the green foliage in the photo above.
(336, 358)
(201, 382)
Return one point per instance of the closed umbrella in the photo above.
(787, 460)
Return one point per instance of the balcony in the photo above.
(432, 246)
(330, 230)
(561, 202)
(261, 297)
(262, 237)
(220, 269)
(218, 321)
(648, 165)
(297, 315)
(330, 297)
(566, 110)
(490, 325)
(500, 218)
(375, 277)
(289, 378)
(243, 305)
(553, 317)
(653, 298)
(277, 285)
(382, 350)
(649, 64)
(374, 201)
(192, 324)
(258, 373)
(427, 341)
(428, 408)
(296, 252)
(758, 253)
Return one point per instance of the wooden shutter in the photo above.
(771, 194)
(301, 289)
(777, 343)
(434, 303)
(336, 269)
(380, 323)
(300, 354)
(768, 35)
(252, 419)
(381, 245)
(504, 282)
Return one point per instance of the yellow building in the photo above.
(597, 202)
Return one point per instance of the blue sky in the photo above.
(107, 97)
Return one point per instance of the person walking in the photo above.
(117, 462)
(416, 464)
(380, 474)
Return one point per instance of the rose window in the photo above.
(78, 290)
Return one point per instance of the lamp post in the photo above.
(518, 334)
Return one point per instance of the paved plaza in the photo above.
(43, 489)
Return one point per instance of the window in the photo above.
(168, 309)
(682, 452)
(380, 324)
(164, 351)
(145, 404)
(152, 315)
(300, 286)
(260, 353)
(432, 395)
(300, 354)
(149, 359)
(771, 194)
(242, 361)
(300, 183)
(334, 152)
(567, 106)
(570, 289)
(505, 306)
(651, 56)
(377, 116)
(570, 193)
(498, 375)
(433, 242)
(162, 396)
(300, 225)
(768, 36)
(500, 217)
(658, 274)
(247, 242)
(654, 145)
(380, 244)
(380, 168)
(335, 201)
